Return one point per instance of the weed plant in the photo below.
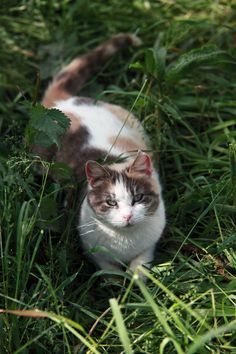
(52, 298)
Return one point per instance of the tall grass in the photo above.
(52, 299)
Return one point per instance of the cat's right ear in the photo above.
(95, 173)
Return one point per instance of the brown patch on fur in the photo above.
(143, 185)
(122, 114)
(74, 153)
(98, 195)
(74, 122)
(138, 176)
(71, 146)
(126, 144)
(84, 100)
(54, 93)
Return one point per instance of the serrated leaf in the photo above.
(192, 59)
(41, 139)
(46, 126)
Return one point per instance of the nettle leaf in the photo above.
(46, 126)
(192, 60)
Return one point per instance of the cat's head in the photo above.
(123, 197)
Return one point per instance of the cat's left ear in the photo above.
(142, 164)
(95, 173)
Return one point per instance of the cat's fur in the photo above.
(122, 216)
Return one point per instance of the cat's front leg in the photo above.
(106, 264)
(109, 265)
(145, 258)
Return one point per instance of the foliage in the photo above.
(46, 126)
(181, 84)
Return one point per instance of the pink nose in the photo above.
(127, 217)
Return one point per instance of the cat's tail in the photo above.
(71, 78)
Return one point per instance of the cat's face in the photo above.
(122, 198)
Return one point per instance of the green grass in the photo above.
(188, 108)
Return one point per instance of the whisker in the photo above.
(87, 232)
(88, 224)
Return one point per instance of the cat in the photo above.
(122, 215)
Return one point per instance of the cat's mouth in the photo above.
(129, 224)
(124, 226)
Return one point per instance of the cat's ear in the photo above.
(142, 164)
(95, 173)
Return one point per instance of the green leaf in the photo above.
(62, 171)
(160, 63)
(137, 66)
(46, 126)
(155, 63)
(192, 60)
(161, 317)
(150, 65)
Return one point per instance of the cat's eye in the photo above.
(137, 198)
(111, 202)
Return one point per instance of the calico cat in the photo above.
(122, 215)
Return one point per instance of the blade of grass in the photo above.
(120, 325)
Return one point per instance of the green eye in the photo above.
(111, 202)
(137, 198)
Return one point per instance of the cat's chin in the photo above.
(128, 226)
(124, 226)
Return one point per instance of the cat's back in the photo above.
(106, 127)
(98, 131)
